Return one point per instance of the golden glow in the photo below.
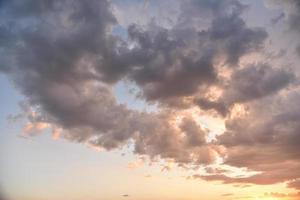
(34, 127)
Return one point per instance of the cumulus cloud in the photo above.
(178, 62)
(64, 57)
(252, 82)
(272, 125)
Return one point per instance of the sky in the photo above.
(149, 100)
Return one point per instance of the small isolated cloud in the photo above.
(136, 164)
(227, 194)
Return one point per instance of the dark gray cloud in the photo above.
(163, 70)
(164, 62)
(256, 81)
(170, 63)
(57, 46)
(252, 82)
(219, 106)
(236, 39)
(64, 60)
(51, 61)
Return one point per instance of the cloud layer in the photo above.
(65, 58)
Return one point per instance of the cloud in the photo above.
(256, 81)
(31, 128)
(68, 60)
(136, 164)
(227, 194)
(184, 56)
(292, 11)
(65, 58)
(161, 138)
(295, 184)
(271, 125)
(281, 195)
(275, 20)
(267, 177)
(252, 82)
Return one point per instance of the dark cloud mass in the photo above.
(64, 58)
(250, 83)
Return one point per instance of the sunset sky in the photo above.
(149, 100)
